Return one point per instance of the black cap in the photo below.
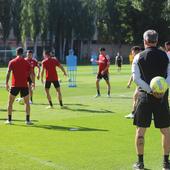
(167, 43)
(30, 51)
(151, 36)
(102, 49)
(19, 51)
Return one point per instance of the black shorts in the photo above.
(55, 83)
(148, 105)
(22, 90)
(100, 76)
(119, 63)
(29, 80)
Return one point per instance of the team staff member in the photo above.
(148, 64)
(20, 71)
(49, 65)
(118, 61)
(103, 71)
(33, 63)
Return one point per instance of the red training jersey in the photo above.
(103, 62)
(33, 63)
(49, 64)
(20, 72)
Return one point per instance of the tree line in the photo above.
(59, 22)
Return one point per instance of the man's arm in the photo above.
(168, 72)
(42, 75)
(7, 78)
(137, 76)
(38, 74)
(63, 70)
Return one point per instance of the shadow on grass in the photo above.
(146, 169)
(5, 110)
(90, 111)
(43, 104)
(75, 104)
(122, 97)
(17, 120)
(64, 128)
(65, 104)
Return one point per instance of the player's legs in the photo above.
(165, 140)
(139, 143)
(98, 78)
(59, 96)
(58, 90)
(27, 108)
(25, 95)
(30, 90)
(30, 93)
(98, 87)
(47, 91)
(11, 100)
(108, 87)
(166, 147)
(135, 99)
(139, 140)
(142, 119)
(12, 95)
(106, 78)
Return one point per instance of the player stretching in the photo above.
(20, 71)
(33, 63)
(103, 72)
(49, 65)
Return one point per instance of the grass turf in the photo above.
(90, 134)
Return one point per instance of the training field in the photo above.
(90, 134)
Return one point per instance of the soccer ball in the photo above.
(158, 84)
(21, 101)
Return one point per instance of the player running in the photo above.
(49, 65)
(33, 63)
(20, 71)
(103, 71)
(134, 51)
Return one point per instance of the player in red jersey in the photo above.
(20, 71)
(33, 63)
(103, 71)
(49, 65)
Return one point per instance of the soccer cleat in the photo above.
(97, 95)
(7, 122)
(49, 107)
(108, 95)
(30, 102)
(63, 107)
(28, 123)
(138, 166)
(130, 116)
(166, 166)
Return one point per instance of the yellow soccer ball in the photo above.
(158, 84)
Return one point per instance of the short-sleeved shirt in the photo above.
(50, 64)
(20, 71)
(103, 62)
(33, 63)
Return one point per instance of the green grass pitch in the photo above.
(91, 134)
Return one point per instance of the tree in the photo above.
(6, 19)
(16, 19)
